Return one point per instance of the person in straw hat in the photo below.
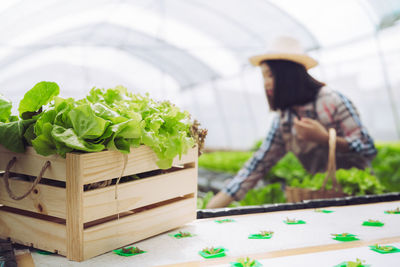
(306, 108)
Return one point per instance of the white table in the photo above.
(291, 245)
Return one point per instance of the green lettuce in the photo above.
(85, 122)
(70, 139)
(12, 134)
(113, 119)
(41, 94)
(5, 109)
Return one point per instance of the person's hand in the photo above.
(311, 130)
(220, 200)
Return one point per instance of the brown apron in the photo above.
(312, 155)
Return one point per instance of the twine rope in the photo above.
(34, 184)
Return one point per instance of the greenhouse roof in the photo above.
(171, 48)
(191, 40)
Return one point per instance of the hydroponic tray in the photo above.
(309, 244)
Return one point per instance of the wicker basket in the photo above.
(294, 194)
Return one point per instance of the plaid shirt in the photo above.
(332, 110)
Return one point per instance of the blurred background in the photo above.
(195, 53)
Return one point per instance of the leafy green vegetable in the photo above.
(224, 161)
(225, 221)
(288, 168)
(41, 94)
(85, 123)
(159, 125)
(357, 263)
(12, 134)
(271, 193)
(44, 144)
(111, 119)
(132, 250)
(212, 250)
(246, 262)
(266, 233)
(5, 109)
(386, 166)
(384, 248)
(184, 234)
(353, 181)
(394, 211)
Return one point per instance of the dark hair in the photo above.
(292, 84)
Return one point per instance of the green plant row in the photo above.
(385, 177)
(271, 193)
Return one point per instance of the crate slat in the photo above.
(106, 165)
(74, 205)
(54, 218)
(44, 199)
(107, 236)
(29, 231)
(100, 203)
(31, 163)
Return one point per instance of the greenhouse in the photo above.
(178, 132)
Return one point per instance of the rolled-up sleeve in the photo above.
(270, 152)
(355, 133)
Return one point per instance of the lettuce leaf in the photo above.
(70, 139)
(85, 122)
(5, 109)
(114, 119)
(12, 134)
(44, 143)
(41, 94)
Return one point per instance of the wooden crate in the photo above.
(81, 224)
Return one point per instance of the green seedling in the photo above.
(132, 250)
(225, 220)
(357, 263)
(262, 235)
(345, 237)
(246, 262)
(384, 248)
(394, 211)
(323, 211)
(212, 250)
(291, 220)
(266, 233)
(342, 235)
(294, 221)
(184, 234)
(128, 251)
(371, 222)
(181, 234)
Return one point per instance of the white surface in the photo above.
(332, 258)
(163, 249)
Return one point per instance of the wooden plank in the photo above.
(74, 220)
(106, 165)
(44, 199)
(25, 260)
(107, 236)
(100, 203)
(33, 232)
(31, 163)
(195, 166)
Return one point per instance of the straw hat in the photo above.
(285, 48)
